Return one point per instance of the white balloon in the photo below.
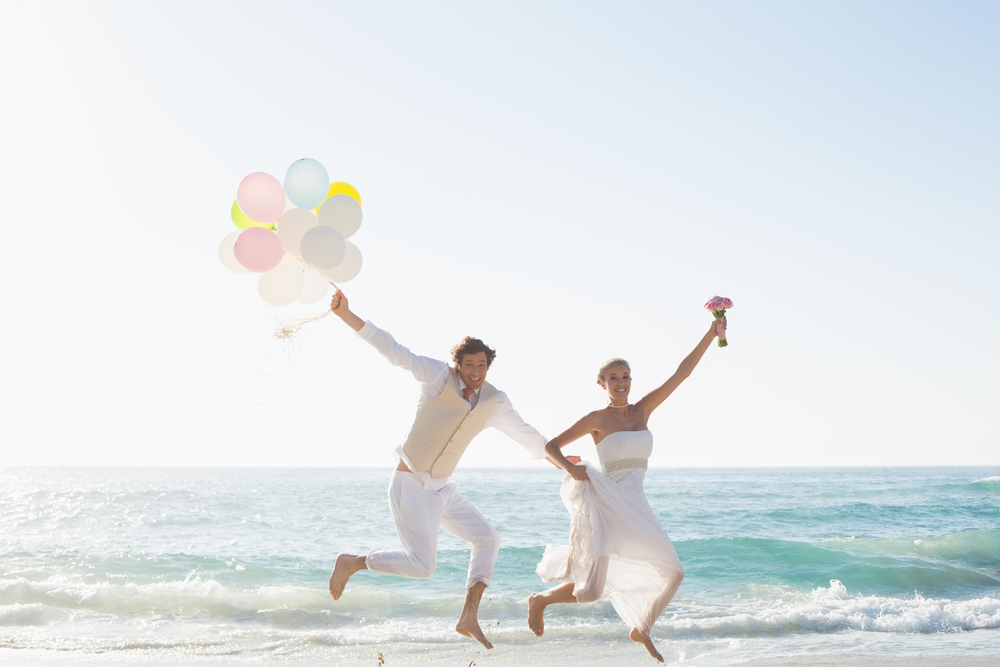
(315, 288)
(226, 255)
(292, 225)
(322, 247)
(347, 269)
(281, 285)
(343, 213)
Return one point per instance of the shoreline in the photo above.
(980, 648)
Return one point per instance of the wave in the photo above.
(204, 618)
(962, 565)
(833, 609)
(989, 485)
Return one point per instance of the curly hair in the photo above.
(617, 361)
(470, 345)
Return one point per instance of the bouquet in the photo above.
(718, 305)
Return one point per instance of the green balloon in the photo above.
(241, 220)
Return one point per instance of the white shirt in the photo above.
(432, 374)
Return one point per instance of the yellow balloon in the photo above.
(341, 188)
(241, 220)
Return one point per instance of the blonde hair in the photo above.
(617, 361)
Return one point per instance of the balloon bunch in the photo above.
(294, 236)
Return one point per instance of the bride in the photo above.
(617, 547)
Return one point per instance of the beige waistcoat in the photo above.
(444, 427)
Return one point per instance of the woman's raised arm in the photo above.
(653, 399)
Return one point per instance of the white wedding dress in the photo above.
(617, 547)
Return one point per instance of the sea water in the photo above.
(230, 566)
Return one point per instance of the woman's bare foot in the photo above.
(342, 571)
(536, 613)
(645, 641)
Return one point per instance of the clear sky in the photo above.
(568, 181)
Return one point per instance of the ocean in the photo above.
(210, 566)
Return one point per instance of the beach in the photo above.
(206, 566)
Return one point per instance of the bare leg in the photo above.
(539, 601)
(468, 622)
(646, 641)
(346, 566)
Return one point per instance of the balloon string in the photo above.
(291, 328)
(288, 330)
(271, 368)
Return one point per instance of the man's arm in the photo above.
(432, 373)
(338, 305)
(507, 420)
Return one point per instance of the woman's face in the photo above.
(618, 382)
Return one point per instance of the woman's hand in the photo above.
(578, 472)
(720, 326)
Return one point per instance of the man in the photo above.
(456, 403)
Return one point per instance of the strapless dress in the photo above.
(617, 548)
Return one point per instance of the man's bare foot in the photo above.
(468, 622)
(536, 614)
(472, 630)
(345, 567)
(645, 641)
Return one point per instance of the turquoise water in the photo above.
(201, 565)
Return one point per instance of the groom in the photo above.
(455, 404)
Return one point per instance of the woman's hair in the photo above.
(470, 345)
(617, 361)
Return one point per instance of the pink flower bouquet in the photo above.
(718, 305)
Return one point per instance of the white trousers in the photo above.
(419, 514)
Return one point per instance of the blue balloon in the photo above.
(306, 183)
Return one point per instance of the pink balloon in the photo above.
(258, 249)
(261, 197)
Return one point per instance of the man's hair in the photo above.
(602, 373)
(470, 345)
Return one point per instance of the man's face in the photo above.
(472, 369)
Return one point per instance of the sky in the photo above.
(568, 181)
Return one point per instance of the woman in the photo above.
(618, 548)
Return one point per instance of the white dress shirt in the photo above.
(432, 374)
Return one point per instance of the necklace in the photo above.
(612, 405)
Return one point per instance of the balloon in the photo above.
(226, 255)
(315, 288)
(261, 197)
(306, 183)
(258, 249)
(341, 188)
(347, 269)
(322, 247)
(289, 258)
(292, 225)
(343, 213)
(281, 285)
(241, 220)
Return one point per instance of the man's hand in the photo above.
(572, 459)
(338, 306)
